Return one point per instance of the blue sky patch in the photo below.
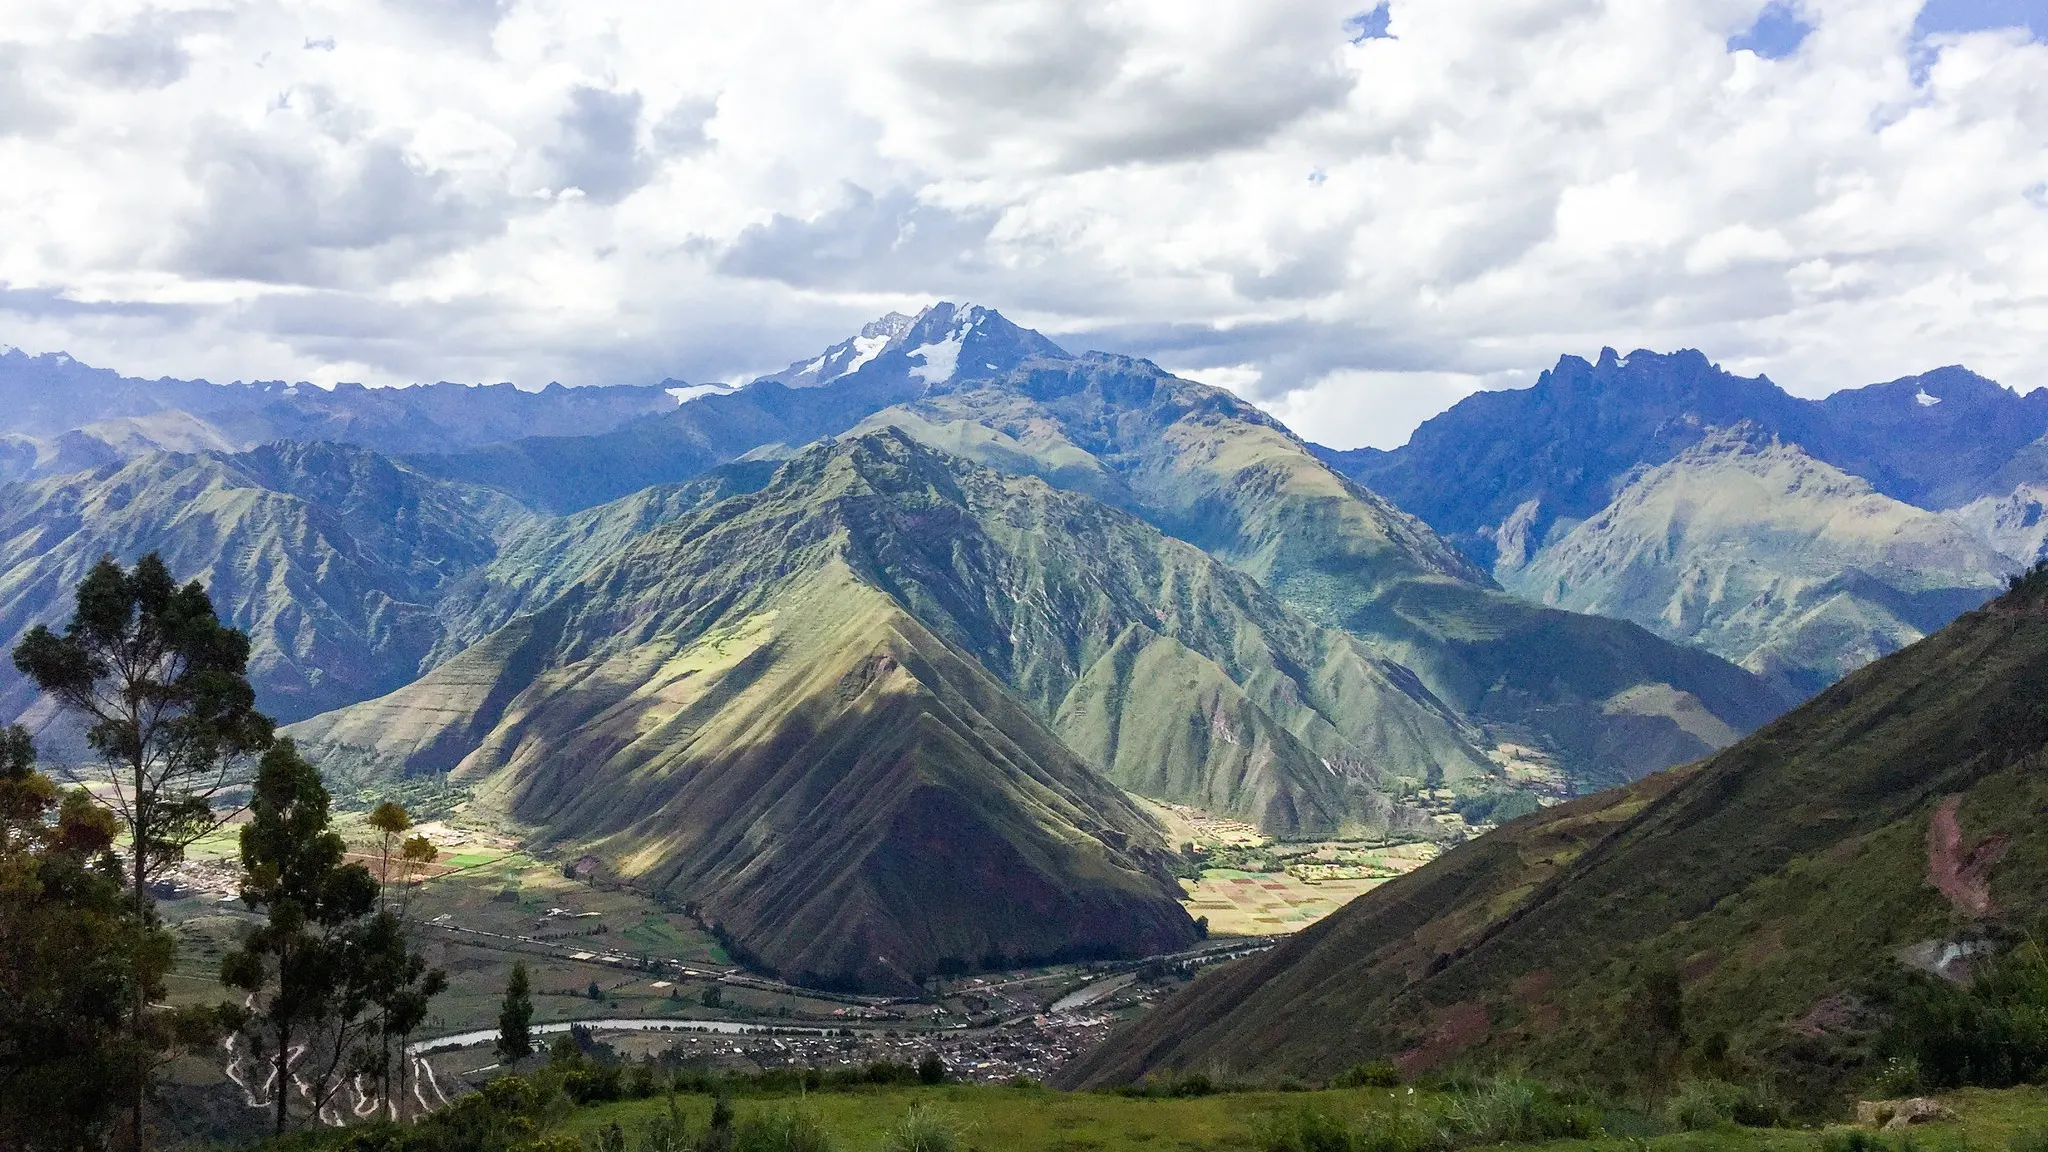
(1370, 25)
(1938, 16)
(1777, 33)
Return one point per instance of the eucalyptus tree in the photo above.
(162, 689)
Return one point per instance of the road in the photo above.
(653, 1024)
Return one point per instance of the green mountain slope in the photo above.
(836, 716)
(1170, 673)
(1751, 549)
(1583, 701)
(1530, 457)
(1599, 699)
(1781, 880)
(547, 554)
(332, 558)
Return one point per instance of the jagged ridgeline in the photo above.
(1799, 538)
(1742, 915)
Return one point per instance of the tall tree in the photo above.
(70, 946)
(302, 968)
(391, 822)
(402, 983)
(515, 1017)
(162, 687)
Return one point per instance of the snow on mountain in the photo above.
(932, 346)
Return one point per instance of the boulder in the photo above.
(1895, 1114)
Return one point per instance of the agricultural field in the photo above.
(593, 951)
(483, 905)
(1252, 885)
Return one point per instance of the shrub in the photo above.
(1371, 1074)
(2029, 1140)
(923, 1129)
(782, 1130)
(931, 1069)
(668, 1132)
(1992, 1034)
(1852, 1140)
(1509, 1109)
(1169, 1087)
(1899, 1076)
(1703, 1104)
(1402, 1128)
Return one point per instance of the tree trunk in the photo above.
(139, 1000)
(284, 1073)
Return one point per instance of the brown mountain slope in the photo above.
(1781, 880)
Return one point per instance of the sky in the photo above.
(1351, 215)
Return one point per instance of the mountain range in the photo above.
(1799, 538)
(64, 416)
(861, 660)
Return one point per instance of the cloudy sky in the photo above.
(1353, 215)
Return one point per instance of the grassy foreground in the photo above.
(1040, 1120)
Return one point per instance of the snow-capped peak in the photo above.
(939, 359)
(927, 347)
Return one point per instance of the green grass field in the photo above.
(1040, 1120)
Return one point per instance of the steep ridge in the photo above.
(1598, 700)
(806, 742)
(1750, 548)
(1778, 882)
(1174, 675)
(549, 553)
(332, 558)
(1937, 440)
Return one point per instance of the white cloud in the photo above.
(1354, 409)
(544, 189)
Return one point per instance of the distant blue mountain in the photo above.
(59, 415)
(1937, 440)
